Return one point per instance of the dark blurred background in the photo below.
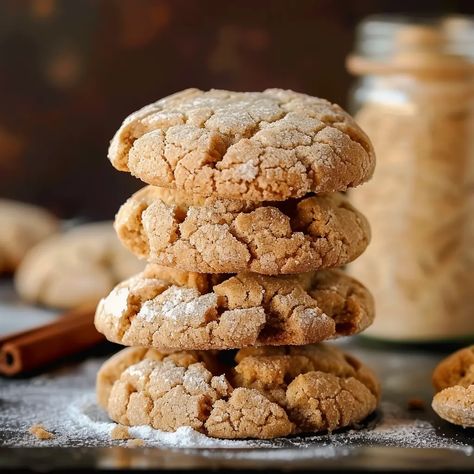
(70, 71)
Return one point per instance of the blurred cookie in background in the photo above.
(453, 380)
(75, 268)
(22, 226)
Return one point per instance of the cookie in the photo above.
(258, 146)
(22, 226)
(173, 310)
(75, 268)
(453, 380)
(456, 405)
(456, 369)
(254, 393)
(213, 235)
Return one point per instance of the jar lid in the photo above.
(436, 48)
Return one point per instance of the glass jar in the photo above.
(415, 100)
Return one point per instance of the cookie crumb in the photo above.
(416, 404)
(120, 432)
(40, 433)
(135, 443)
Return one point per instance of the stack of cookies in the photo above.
(241, 223)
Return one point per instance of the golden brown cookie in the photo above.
(22, 226)
(173, 310)
(456, 369)
(213, 235)
(456, 405)
(261, 146)
(254, 393)
(75, 268)
(453, 380)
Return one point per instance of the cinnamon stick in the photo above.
(33, 348)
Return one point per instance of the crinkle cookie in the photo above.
(261, 146)
(212, 235)
(453, 379)
(22, 226)
(174, 310)
(254, 393)
(75, 268)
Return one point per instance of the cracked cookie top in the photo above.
(254, 393)
(260, 146)
(215, 235)
(171, 310)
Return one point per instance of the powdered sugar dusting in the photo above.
(116, 304)
(137, 284)
(246, 171)
(194, 379)
(310, 313)
(391, 430)
(137, 371)
(179, 303)
(395, 429)
(147, 311)
(73, 416)
(64, 403)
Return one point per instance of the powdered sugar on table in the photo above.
(64, 403)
